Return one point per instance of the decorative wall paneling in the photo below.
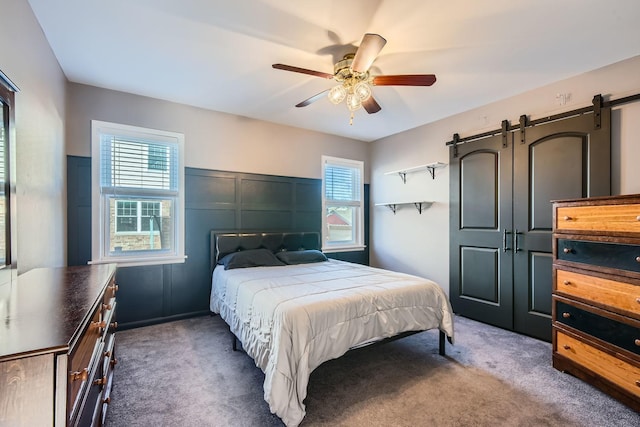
(213, 200)
(501, 217)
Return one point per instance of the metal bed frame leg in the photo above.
(234, 346)
(441, 344)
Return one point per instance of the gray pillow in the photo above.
(250, 258)
(301, 257)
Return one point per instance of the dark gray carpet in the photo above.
(184, 374)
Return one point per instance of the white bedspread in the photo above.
(292, 319)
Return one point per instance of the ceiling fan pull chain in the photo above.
(351, 119)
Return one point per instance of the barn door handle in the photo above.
(505, 248)
(516, 233)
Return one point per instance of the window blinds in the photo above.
(138, 165)
(342, 183)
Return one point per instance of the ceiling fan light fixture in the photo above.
(362, 90)
(337, 94)
(353, 102)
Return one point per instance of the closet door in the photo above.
(563, 159)
(480, 226)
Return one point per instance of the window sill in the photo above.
(334, 249)
(134, 262)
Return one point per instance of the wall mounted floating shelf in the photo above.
(420, 206)
(429, 167)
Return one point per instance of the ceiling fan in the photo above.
(354, 80)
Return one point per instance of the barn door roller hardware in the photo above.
(596, 108)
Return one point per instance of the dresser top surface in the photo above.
(45, 308)
(602, 200)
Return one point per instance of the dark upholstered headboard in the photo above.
(226, 242)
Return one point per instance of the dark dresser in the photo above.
(57, 345)
(596, 293)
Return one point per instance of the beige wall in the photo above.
(419, 244)
(213, 140)
(27, 59)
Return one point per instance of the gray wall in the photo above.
(27, 59)
(213, 140)
(419, 244)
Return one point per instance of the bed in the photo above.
(292, 308)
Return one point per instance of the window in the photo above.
(4, 180)
(342, 204)
(135, 216)
(7, 176)
(138, 195)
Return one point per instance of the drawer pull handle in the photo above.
(113, 325)
(107, 400)
(107, 354)
(99, 325)
(566, 347)
(113, 288)
(638, 218)
(106, 306)
(637, 342)
(101, 381)
(566, 315)
(638, 300)
(638, 383)
(114, 362)
(567, 250)
(568, 218)
(566, 282)
(638, 258)
(80, 375)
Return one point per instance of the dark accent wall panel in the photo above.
(213, 200)
(78, 210)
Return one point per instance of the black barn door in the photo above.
(481, 258)
(558, 160)
(501, 216)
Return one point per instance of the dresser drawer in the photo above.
(591, 254)
(619, 372)
(611, 219)
(82, 359)
(619, 296)
(109, 362)
(619, 334)
(91, 405)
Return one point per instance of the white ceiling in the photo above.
(217, 54)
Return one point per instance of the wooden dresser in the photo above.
(57, 346)
(596, 293)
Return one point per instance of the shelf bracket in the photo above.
(403, 176)
(393, 207)
(432, 171)
(419, 207)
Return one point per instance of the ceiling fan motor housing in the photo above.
(342, 70)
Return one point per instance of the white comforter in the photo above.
(292, 319)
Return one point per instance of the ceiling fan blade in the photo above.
(302, 70)
(405, 80)
(369, 49)
(314, 98)
(371, 105)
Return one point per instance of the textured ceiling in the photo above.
(218, 54)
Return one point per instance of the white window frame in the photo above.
(100, 253)
(138, 216)
(358, 227)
